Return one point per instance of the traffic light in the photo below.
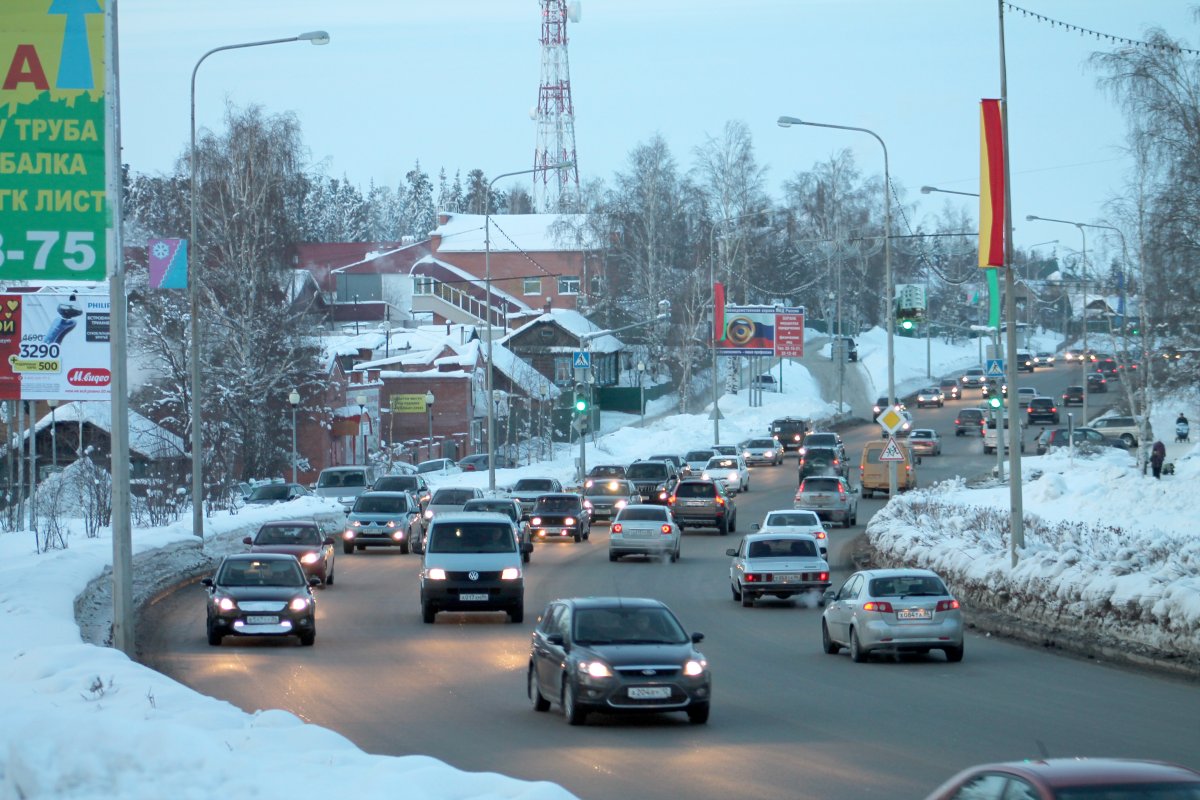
(906, 324)
(581, 404)
(994, 402)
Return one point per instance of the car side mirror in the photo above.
(918, 461)
(247, 540)
(328, 540)
(314, 581)
(731, 552)
(829, 594)
(206, 582)
(555, 639)
(753, 527)
(697, 638)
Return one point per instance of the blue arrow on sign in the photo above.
(995, 367)
(583, 360)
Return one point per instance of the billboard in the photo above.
(761, 331)
(54, 346)
(52, 159)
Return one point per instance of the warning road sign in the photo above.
(892, 451)
(995, 367)
(582, 359)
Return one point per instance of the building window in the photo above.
(564, 373)
(568, 284)
(532, 286)
(424, 285)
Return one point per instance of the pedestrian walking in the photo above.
(1158, 454)
(1181, 428)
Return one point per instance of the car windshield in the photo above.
(534, 485)
(767, 443)
(642, 513)
(606, 472)
(278, 491)
(557, 504)
(721, 463)
(820, 440)
(700, 455)
(331, 480)
(432, 466)
(471, 538)
(648, 471)
(782, 548)
(695, 489)
(907, 586)
(626, 626)
(380, 505)
(792, 519)
(820, 485)
(921, 434)
(496, 506)
(612, 488)
(397, 483)
(288, 534)
(251, 572)
(820, 454)
(452, 497)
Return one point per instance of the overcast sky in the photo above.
(452, 84)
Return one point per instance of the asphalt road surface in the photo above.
(787, 721)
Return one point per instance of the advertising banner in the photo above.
(407, 403)
(762, 331)
(54, 346)
(52, 177)
(168, 263)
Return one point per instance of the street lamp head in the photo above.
(641, 366)
(294, 398)
(361, 400)
(787, 122)
(928, 189)
(1028, 217)
(429, 398)
(316, 37)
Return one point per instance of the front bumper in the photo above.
(454, 595)
(763, 458)
(612, 695)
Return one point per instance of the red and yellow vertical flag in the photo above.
(718, 312)
(991, 185)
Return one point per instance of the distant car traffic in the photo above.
(654, 480)
(696, 460)
(701, 503)
(1043, 358)
(528, 490)
(604, 497)
(796, 521)
(261, 594)
(448, 498)
(1073, 396)
(414, 484)
(265, 494)
(829, 497)
(383, 519)
(605, 471)
(560, 515)
(511, 508)
(973, 378)
(729, 470)
(647, 530)
(300, 538)
(892, 610)
(763, 450)
(970, 420)
(1041, 410)
(825, 439)
(584, 651)
(1097, 383)
(776, 565)
(925, 442)
(950, 389)
(930, 396)
(822, 461)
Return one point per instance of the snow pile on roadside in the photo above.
(1110, 554)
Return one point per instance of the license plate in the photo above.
(649, 692)
(262, 620)
(696, 503)
(793, 578)
(473, 596)
(914, 613)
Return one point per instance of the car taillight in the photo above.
(1054, 408)
(957, 422)
(824, 576)
(820, 534)
(671, 500)
(947, 605)
(841, 493)
(666, 529)
(882, 606)
(616, 527)
(720, 501)
(752, 577)
(836, 462)
(1029, 410)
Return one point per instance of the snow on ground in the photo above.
(83, 721)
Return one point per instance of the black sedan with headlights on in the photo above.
(261, 594)
(616, 655)
(557, 516)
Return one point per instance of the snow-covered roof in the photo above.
(370, 256)
(471, 278)
(416, 346)
(522, 373)
(342, 345)
(537, 233)
(145, 437)
(577, 324)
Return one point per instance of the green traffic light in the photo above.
(906, 324)
(994, 402)
(581, 405)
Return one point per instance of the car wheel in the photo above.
(675, 555)
(733, 524)
(214, 635)
(571, 709)
(308, 639)
(613, 556)
(737, 595)
(516, 614)
(428, 612)
(578, 537)
(953, 654)
(828, 645)
(698, 713)
(1127, 439)
(747, 485)
(347, 548)
(747, 600)
(524, 558)
(404, 548)
(329, 580)
(868, 493)
(857, 654)
(723, 527)
(535, 694)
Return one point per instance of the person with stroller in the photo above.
(1181, 428)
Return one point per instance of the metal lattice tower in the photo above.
(555, 189)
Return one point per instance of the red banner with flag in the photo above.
(991, 184)
(718, 312)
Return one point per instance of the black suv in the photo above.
(823, 461)
(1042, 409)
(654, 480)
(1073, 396)
(789, 431)
(969, 420)
(703, 504)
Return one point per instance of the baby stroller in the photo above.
(1181, 432)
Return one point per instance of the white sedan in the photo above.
(790, 520)
(925, 442)
(729, 470)
(777, 565)
(643, 530)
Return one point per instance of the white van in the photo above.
(472, 562)
(989, 435)
(345, 484)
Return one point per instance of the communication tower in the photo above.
(555, 189)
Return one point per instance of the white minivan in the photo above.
(472, 562)
(345, 484)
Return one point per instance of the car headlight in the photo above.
(428, 513)
(356, 523)
(620, 504)
(733, 476)
(704, 475)
(746, 454)
(587, 503)
(510, 574)
(595, 669)
(391, 523)
(348, 534)
(298, 603)
(569, 521)
(226, 604)
(695, 667)
(310, 558)
(435, 574)
(536, 521)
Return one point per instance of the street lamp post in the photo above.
(294, 400)
(487, 281)
(889, 293)
(53, 435)
(362, 412)
(712, 285)
(315, 37)
(641, 368)
(429, 398)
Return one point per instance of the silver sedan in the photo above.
(647, 530)
(604, 497)
(892, 610)
(776, 565)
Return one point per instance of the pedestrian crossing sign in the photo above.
(582, 360)
(995, 367)
(892, 451)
